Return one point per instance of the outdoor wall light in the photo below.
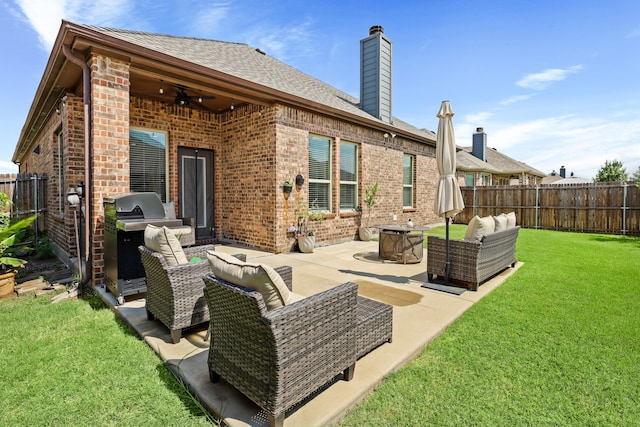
(80, 189)
(72, 197)
(299, 180)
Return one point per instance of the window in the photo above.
(348, 176)
(407, 190)
(320, 172)
(486, 179)
(148, 161)
(59, 158)
(470, 179)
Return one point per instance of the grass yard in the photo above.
(76, 363)
(557, 344)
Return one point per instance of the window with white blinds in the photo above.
(148, 161)
(408, 181)
(320, 172)
(348, 176)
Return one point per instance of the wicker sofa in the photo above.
(472, 261)
(279, 357)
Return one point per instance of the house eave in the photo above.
(82, 40)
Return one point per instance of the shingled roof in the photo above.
(253, 65)
(496, 163)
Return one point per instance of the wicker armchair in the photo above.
(280, 357)
(472, 261)
(174, 293)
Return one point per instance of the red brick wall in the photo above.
(110, 133)
(381, 159)
(256, 148)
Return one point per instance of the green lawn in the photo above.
(75, 363)
(557, 344)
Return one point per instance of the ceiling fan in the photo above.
(184, 99)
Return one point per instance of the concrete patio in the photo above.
(419, 315)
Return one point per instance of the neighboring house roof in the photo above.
(570, 180)
(231, 68)
(550, 179)
(496, 163)
(468, 162)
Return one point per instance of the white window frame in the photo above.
(321, 181)
(410, 186)
(350, 183)
(163, 138)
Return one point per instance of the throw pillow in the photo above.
(169, 210)
(258, 277)
(500, 222)
(162, 240)
(479, 227)
(511, 219)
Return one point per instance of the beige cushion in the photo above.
(500, 222)
(479, 227)
(162, 240)
(511, 219)
(258, 277)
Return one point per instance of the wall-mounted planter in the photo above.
(287, 187)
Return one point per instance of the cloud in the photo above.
(8, 167)
(516, 98)
(578, 142)
(45, 16)
(208, 19)
(541, 81)
(634, 33)
(284, 43)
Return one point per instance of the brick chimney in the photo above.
(375, 74)
(479, 147)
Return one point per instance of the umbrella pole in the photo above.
(447, 266)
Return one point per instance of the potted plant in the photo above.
(10, 236)
(307, 238)
(366, 231)
(287, 187)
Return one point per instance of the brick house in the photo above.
(124, 111)
(480, 165)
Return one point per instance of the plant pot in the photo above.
(7, 283)
(306, 243)
(365, 233)
(287, 189)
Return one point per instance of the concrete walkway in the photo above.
(419, 315)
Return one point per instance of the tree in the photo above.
(636, 175)
(612, 171)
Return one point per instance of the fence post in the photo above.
(537, 206)
(474, 201)
(35, 198)
(624, 207)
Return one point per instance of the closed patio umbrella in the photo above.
(448, 198)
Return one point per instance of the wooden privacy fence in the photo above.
(593, 208)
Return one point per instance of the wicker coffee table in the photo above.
(374, 325)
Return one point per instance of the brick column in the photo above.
(110, 136)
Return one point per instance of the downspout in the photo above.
(88, 217)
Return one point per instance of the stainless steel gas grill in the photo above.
(125, 218)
